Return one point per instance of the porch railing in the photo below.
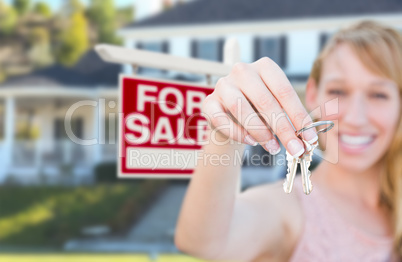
(24, 153)
(31, 153)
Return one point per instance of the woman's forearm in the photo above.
(207, 209)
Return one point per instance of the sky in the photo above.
(55, 4)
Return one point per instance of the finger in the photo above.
(269, 108)
(277, 82)
(221, 122)
(239, 107)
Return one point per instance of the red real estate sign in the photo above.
(161, 128)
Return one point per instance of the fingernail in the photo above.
(295, 148)
(249, 140)
(273, 147)
(310, 136)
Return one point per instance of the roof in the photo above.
(220, 11)
(90, 71)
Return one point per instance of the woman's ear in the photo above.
(311, 94)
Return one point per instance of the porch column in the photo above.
(99, 130)
(127, 69)
(8, 136)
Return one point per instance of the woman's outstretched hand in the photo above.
(248, 106)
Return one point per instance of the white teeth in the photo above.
(356, 140)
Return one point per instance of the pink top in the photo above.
(327, 236)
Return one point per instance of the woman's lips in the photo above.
(355, 144)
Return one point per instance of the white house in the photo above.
(289, 31)
(35, 143)
(33, 107)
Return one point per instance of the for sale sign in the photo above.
(161, 127)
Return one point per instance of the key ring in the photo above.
(315, 124)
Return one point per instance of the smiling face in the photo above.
(368, 108)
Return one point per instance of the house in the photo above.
(33, 107)
(35, 143)
(288, 31)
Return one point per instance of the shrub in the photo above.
(106, 172)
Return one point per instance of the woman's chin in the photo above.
(354, 164)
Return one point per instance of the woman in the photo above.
(354, 212)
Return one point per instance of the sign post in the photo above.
(161, 127)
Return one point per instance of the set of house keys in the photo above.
(304, 160)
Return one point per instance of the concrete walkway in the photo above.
(159, 223)
(154, 232)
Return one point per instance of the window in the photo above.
(272, 47)
(207, 49)
(60, 130)
(160, 47)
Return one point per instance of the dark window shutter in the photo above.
(78, 127)
(257, 48)
(57, 129)
(165, 47)
(283, 46)
(323, 40)
(221, 43)
(194, 52)
(139, 45)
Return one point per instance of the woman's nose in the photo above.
(355, 111)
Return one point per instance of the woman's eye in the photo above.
(379, 96)
(336, 92)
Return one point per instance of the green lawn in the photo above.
(43, 216)
(93, 258)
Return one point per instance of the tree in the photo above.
(71, 7)
(73, 41)
(102, 14)
(42, 9)
(8, 18)
(124, 15)
(21, 6)
(39, 52)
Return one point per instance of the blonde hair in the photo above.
(379, 48)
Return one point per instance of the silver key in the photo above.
(304, 159)
(305, 162)
(291, 172)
